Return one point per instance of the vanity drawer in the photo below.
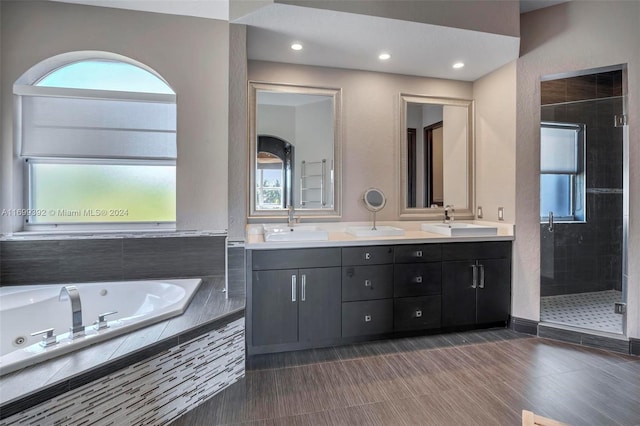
(416, 313)
(366, 318)
(367, 255)
(419, 279)
(484, 250)
(295, 258)
(418, 253)
(367, 282)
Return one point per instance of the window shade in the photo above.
(58, 126)
(558, 150)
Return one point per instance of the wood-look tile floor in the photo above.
(473, 378)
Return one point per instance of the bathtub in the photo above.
(28, 309)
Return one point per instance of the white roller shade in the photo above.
(110, 126)
(558, 149)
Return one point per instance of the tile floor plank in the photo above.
(479, 377)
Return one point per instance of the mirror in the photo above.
(436, 154)
(294, 150)
(374, 200)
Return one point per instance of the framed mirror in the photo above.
(436, 156)
(294, 153)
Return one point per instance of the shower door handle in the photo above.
(550, 221)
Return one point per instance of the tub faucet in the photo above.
(71, 293)
(448, 217)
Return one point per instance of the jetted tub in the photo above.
(28, 309)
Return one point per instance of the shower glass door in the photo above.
(582, 201)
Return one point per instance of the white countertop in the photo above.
(338, 237)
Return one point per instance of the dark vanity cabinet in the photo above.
(295, 306)
(417, 287)
(367, 290)
(304, 298)
(476, 283)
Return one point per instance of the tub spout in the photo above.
(71, 293)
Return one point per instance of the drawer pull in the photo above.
(367, 318)
(418, 313)
(419, 253)
(367, 283)
(367, 256)
(419, 279)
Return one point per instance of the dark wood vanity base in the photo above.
(317, 297)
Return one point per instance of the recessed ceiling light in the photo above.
(384, 56)
(458, 65)
(296, 46)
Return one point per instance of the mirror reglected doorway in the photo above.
(583, 200)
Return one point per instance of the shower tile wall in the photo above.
(588, 257)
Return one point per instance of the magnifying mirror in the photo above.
(374, 200)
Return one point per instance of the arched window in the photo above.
(99, 142)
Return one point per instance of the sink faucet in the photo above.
(71, 293)
(292, 219)
(448, 217)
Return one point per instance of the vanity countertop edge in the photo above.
(338, 237)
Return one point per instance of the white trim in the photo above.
(64, 92)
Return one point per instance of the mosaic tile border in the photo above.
(154, 391)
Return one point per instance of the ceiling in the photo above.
(353, 41)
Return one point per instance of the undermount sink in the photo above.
(458, 229)
(294, 233)
(380, 231)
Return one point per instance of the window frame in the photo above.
(24, 88)
(577, 185)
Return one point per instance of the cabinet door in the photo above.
(319, 307)
(494, 295)
(274, 307)
(458, 293)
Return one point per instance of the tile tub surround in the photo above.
(339, 237)
(208, 310)
(154, 391)
(53, 259)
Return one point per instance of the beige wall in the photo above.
(569, 37)
(495, 101)
(192, 54)
(370, 124)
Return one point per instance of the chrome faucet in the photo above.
(292, 219)
(71, 293)
(448, 217)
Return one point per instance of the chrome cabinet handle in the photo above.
(367, 283)
(550, 221)
(418, 313)
(303, 296)
(367, 256)
(419, 279)
(293, 287)
(367, 318)
(419, 253)
(474, 282)
(481, 285)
